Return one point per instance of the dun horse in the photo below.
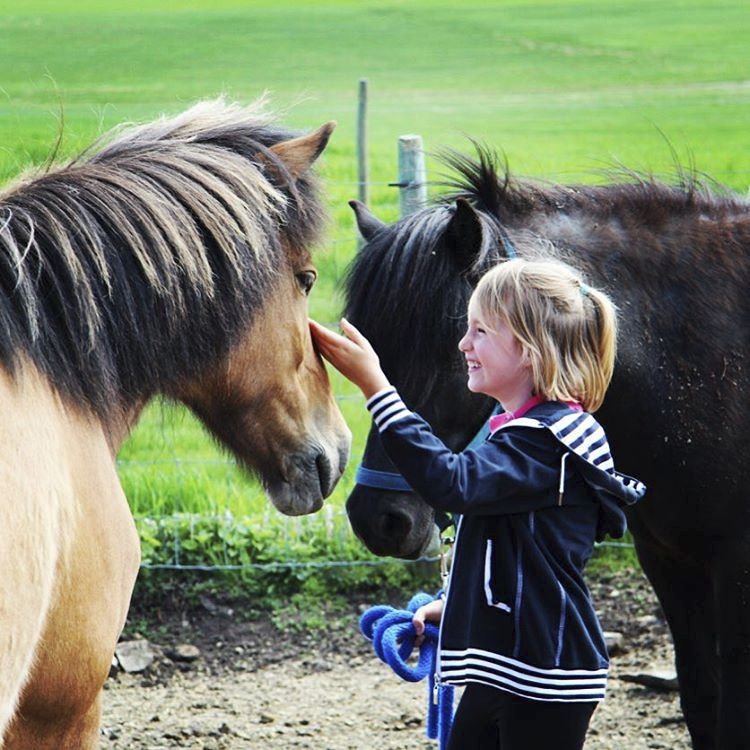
(174, 258)
(677, 261)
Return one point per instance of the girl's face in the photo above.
(497, 365)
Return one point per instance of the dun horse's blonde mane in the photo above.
(165, 183)
(188, 215)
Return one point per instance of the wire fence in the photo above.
(224, 542)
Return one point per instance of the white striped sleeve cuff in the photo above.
(386, 408)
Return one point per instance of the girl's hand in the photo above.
(430, 612)
(352, 355)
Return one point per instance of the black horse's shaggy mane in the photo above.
(142, 259)
(486, 181)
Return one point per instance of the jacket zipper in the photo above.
(438, 660)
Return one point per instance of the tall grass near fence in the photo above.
(565, 89)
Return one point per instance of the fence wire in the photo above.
(184, 541)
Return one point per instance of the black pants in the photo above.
(491, 719)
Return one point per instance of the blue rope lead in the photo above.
(392, 634)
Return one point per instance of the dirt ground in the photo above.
(255, 687)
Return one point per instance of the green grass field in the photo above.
(564, 88)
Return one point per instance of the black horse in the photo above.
(676, 259)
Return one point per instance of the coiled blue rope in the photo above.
(392, 634)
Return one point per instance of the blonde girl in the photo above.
(517, 626)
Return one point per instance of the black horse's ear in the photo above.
(463, 235)
(367, 223)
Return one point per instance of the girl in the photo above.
(517, 625)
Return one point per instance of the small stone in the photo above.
(614, 640)
(135, 656)
(647, 621)
(110, 733)
(184, 652)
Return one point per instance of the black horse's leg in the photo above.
(686, 594)
(732, 575)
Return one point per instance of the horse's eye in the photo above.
(306, 280)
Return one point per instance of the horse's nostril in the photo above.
(325, 475)
(395, 526)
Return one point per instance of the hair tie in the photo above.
(585, 289)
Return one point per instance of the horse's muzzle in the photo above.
(310, 477)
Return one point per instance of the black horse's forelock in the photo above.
(177, 225)
(407, 266)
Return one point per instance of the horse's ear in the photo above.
(367, 223)
(298, 154)
(463, 235)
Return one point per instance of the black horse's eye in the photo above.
(306, 280)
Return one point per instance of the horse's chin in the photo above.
(295, 501)
(428, 547)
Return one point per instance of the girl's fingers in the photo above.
(326, 340)
(321, 333)
(352, 355)
(352, 332)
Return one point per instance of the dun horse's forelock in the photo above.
(101, 260)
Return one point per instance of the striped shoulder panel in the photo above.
(581, 433)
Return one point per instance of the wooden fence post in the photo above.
(412, 175)
(362, 175)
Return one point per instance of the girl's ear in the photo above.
(526, 359)
(464, 235)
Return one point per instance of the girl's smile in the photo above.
(497, 366)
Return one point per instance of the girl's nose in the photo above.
(463, 344)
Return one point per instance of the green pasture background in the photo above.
(565, 89)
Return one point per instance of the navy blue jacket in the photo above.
(532, 500)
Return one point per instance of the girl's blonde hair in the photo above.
(567, 329)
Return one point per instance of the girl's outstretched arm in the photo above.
(352, 355)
